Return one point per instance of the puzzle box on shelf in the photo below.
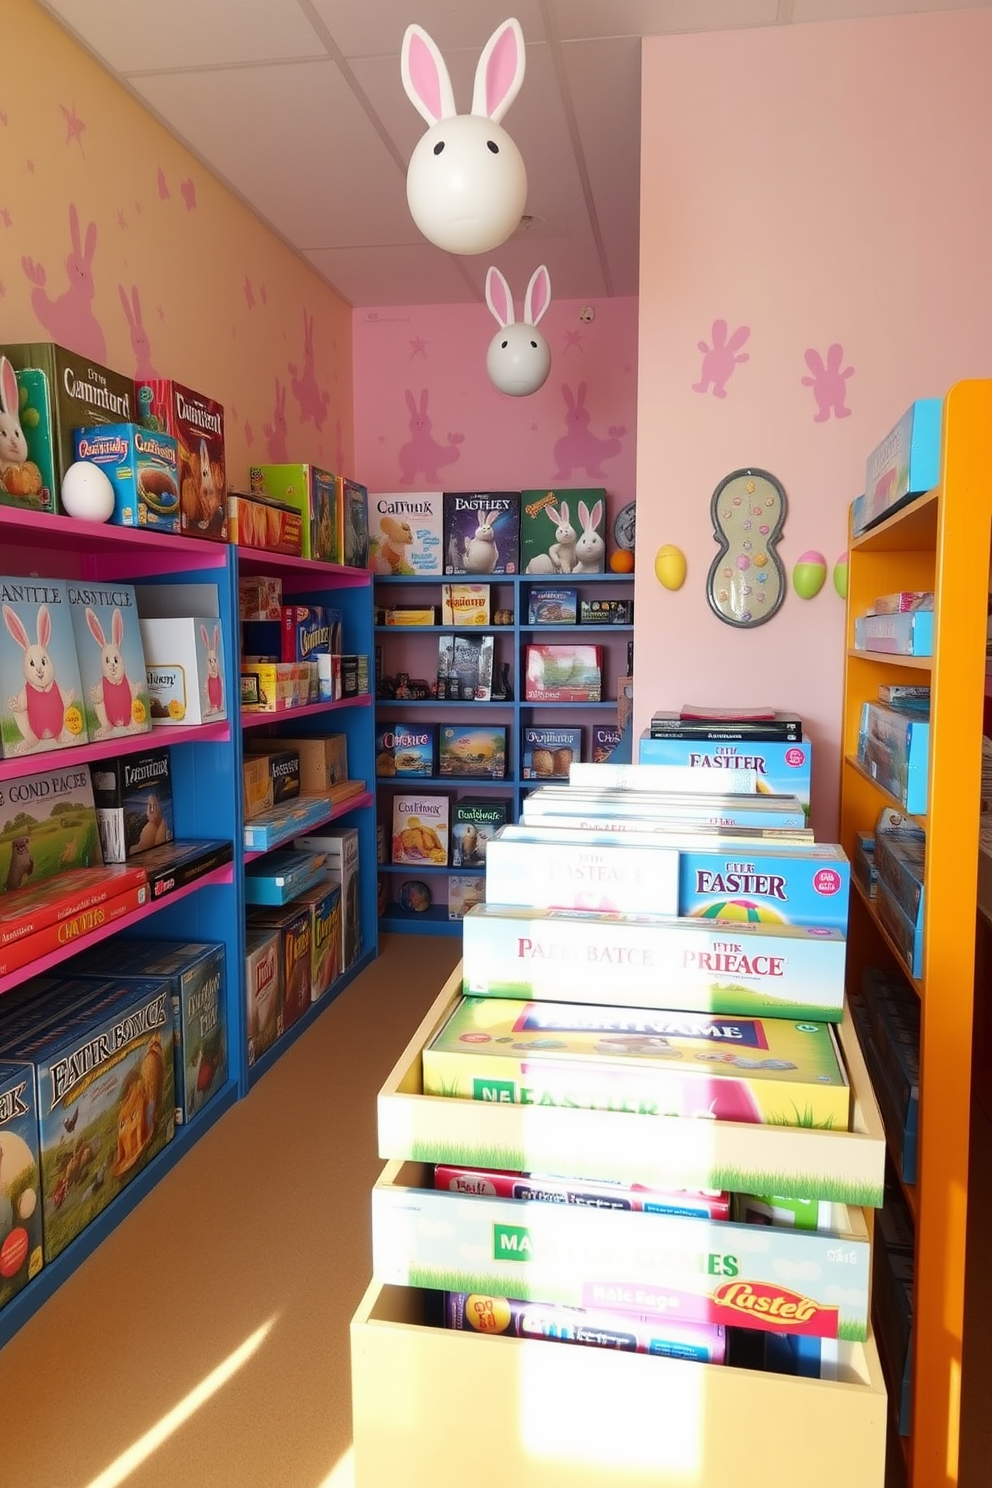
(550, 753)
(184, 654)
(893, 746)
(294, 923)
(702, 1271)
(50, 825)
(642, 810)
(323, 903)
(134, 807)
(420, 829)
(907, 633)
(21, 1253)
(263, 988)
(469, 660)
(564, 955)
(406, 533)
(118, 1124)
(195, 972)
(782, 768)
(465, 604)
(26, 472)
(314, 494)
(142, 468)
(111, 659)
(481, 532)
(404, 750)
(353, 523)
(563, 532)
(905, 464)
(342, 849)
(323, 758)
(67, 391)
(465, 890)
(256, 521)
(474, 825)
(563, 673)
(472, 751)
(281, 875)
(197, 425)
(642, 1061)
(41, 703)
(542, 1188)
(552, 606)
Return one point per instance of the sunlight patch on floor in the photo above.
(143, 1448)
(342, 1474)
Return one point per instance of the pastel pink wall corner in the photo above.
(831, 198)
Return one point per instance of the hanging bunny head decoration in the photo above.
(466, 184)
(519, 359)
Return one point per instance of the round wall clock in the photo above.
(623, 527)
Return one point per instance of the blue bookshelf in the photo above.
(206, 765)
(409, 648)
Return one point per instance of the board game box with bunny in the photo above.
(111, 659)
(197, 425)
(563, 532)
(40, 690)
(481, 532)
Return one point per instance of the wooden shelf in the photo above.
(911, 529)
(869, 904)
(309, 710)
(887, 798)
(892, 658)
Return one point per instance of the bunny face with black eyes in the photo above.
(466, 185)
(519, 359)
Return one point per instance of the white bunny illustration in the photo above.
(13, 445)
(113, 695)
(560, 557)
(481, 554)
(466, 184)
(590, 550)
(39, 708)
(519, 358)
(214, 685)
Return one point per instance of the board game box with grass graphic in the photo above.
(643, 1062)
(47, 825)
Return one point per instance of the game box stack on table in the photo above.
(690, 1074)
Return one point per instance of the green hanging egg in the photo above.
(809, 574)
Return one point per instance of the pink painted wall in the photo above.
(476, 438)
(222, 305)
(822, 185)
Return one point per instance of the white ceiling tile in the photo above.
(293, 141)
(375, 29)
(140, 35)
(416, 275)
(845, 10)
(585, 19)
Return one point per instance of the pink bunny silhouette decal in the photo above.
(720, 359)
(139, 336)
(69, 319)
(275, 433)
(422, 451)
(828, 382)
(580, 448)
(312, 402)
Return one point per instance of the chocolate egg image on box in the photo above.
(809, 574)
(840, 575)
(670, 566)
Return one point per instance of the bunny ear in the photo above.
(564, 514)
(538, 296)
(814, 361)
(424, 398)
(425, 76)
(8, 388)
(597, 515)
(498, 297)
(95, 628)
(126, 304)
(738, 338)
(74, 227)
(118, 627)
(553, 515)
(581, 394)
(90, 247)
(411, 402)
(500, 72)
(203, 636)
(583, 514)
(215, 647)
(15, 625)
(136, 302)
(44, 627)
(569, 400)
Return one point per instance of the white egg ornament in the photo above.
(87, 492)
(519, 359)
(466, 185)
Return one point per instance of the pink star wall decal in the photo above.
(419, 348)
(74, 126)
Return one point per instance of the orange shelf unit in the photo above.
(940, 542)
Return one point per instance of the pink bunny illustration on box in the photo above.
(213, 685)
(422, 453)
(720, 359)
(828, 382)
(140, 344)
(111, 661)
(69, 319)
(466, 184)
(313, 403)
(519, 359)
(37, 649)
(112, 696)
(580, 448)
